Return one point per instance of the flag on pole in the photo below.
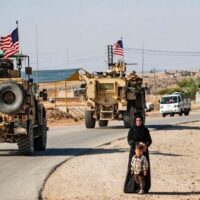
(10, 44)
(118, 48)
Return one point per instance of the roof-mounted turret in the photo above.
(8, 69)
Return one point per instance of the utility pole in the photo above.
(142, 60)
(110, 56)
(155, 81)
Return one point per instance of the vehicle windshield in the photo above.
(168, 100)
(106, 86)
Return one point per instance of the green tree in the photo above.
(169, 90)
(187, 86)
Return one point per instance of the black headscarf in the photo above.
(140, 132)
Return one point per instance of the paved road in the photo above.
(21, 177)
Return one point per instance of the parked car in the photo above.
(149, 106)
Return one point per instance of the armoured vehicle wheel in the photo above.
(128, 118)
(103, 123)
(89, 120)
(181, 113)
(164, 115)
(187, 113)
(40, 142)
(26, 142)
(11, 97)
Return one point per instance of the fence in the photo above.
(63, 94)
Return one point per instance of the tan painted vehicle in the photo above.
(22, 115)
(113, 95)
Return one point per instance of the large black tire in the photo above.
(187, 112)
(140, 106)
(139, 102)
(181, 113)
(103, 123)
(89, 120)
(41, 141)
(128, 118)
(11, 97)
(26, 142)
(163, 114)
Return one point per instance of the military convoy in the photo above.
(22, 114)
(113, 95)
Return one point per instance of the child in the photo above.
(139, 167)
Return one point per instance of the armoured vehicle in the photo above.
(113, 95)
(22, 114)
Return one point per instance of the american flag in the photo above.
(10, 44)
(118, 48)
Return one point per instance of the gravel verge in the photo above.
(100, 173)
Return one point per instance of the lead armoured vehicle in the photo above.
(113, 95)
(22, 114)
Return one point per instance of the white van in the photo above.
(176, 103)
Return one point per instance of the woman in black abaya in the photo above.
(137, 134)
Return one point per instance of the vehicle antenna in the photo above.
(37, 55)
(142, 61)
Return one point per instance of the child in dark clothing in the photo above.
(139, 167)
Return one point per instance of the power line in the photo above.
(164, 51)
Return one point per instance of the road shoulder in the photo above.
(101, 172)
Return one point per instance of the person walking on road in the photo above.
(138, 134)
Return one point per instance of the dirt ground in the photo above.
(100, 174)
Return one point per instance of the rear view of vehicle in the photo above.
(22, 115)
(176, 103)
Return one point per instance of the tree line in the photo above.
(188, 86)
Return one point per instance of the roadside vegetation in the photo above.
(188, 86)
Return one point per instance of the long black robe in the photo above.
(136, 135)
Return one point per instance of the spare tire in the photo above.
(11, 97)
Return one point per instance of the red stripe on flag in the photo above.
(8, 47)
(117, 50)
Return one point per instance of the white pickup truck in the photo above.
(176, 103)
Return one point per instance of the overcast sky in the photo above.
(75, 33)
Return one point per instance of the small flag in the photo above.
(10, 44)
(118, 48)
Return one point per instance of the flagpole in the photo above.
(17, 30)
(18, 59)
(123, 48)
(18, 34)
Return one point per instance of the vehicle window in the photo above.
(168, 100)
(106, 86)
